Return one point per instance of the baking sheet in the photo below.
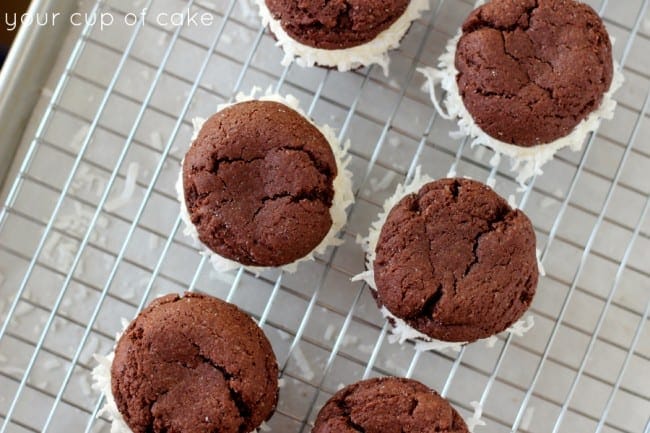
(392, 130)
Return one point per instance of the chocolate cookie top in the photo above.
(258, 184)
(456, 262)
(336, 24)
(388, 405)
(529, 71)
(194, 364)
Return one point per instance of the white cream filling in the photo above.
(101, 376)
(401, 331)
(343, 194)
(373, 52)
(526, 161)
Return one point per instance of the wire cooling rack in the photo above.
(90, 231)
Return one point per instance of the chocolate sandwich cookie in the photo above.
(455, 262)
(527, 78)
(337, 24)
(194, 364)
(340, 34)
(530, 71)
(262, 187)
(388, 405)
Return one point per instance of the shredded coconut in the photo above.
(13, 370)
(365, 348)
(23, 309)
(154, 242)
(78, 138)
(475, 420)
(512, 201)
(303, 363)
(540, 265)
(87, 179)
(51, 363)
(490, 342)
(248, 10)
(329, 332)
(526, 161)
(379, 185)
(85, 385)
(156, 140)
(162, 39)
(523, 326)
(343, 194)
(349, 340)
(373, 52)
(547, 202)
(129, 189)
(102, 383)
(527, 419)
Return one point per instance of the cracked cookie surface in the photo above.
(456, 262)
(336, 24)
(529, 71)
(194, 364)
(258, 183)
(388, 405)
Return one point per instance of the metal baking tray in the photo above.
(90, 231)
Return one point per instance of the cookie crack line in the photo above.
(429, 306)
(347, 414)
(243, 409)
(322, 169)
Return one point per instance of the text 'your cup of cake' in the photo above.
(339, 34)
(450, 262)
(262, 186)
(528, 78)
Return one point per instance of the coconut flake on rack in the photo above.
(88, 179)
(475, 420)
(156, 139)
(373, 52)
(527, 419)
(329, 332)
(526, 161)
(303, 363)
(78, 138)
(248, 10)
(540, 265)
(343, 194)
(129, 189)
(379, 185)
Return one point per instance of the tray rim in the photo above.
(25, 71)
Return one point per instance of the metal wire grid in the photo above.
(311, 295)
